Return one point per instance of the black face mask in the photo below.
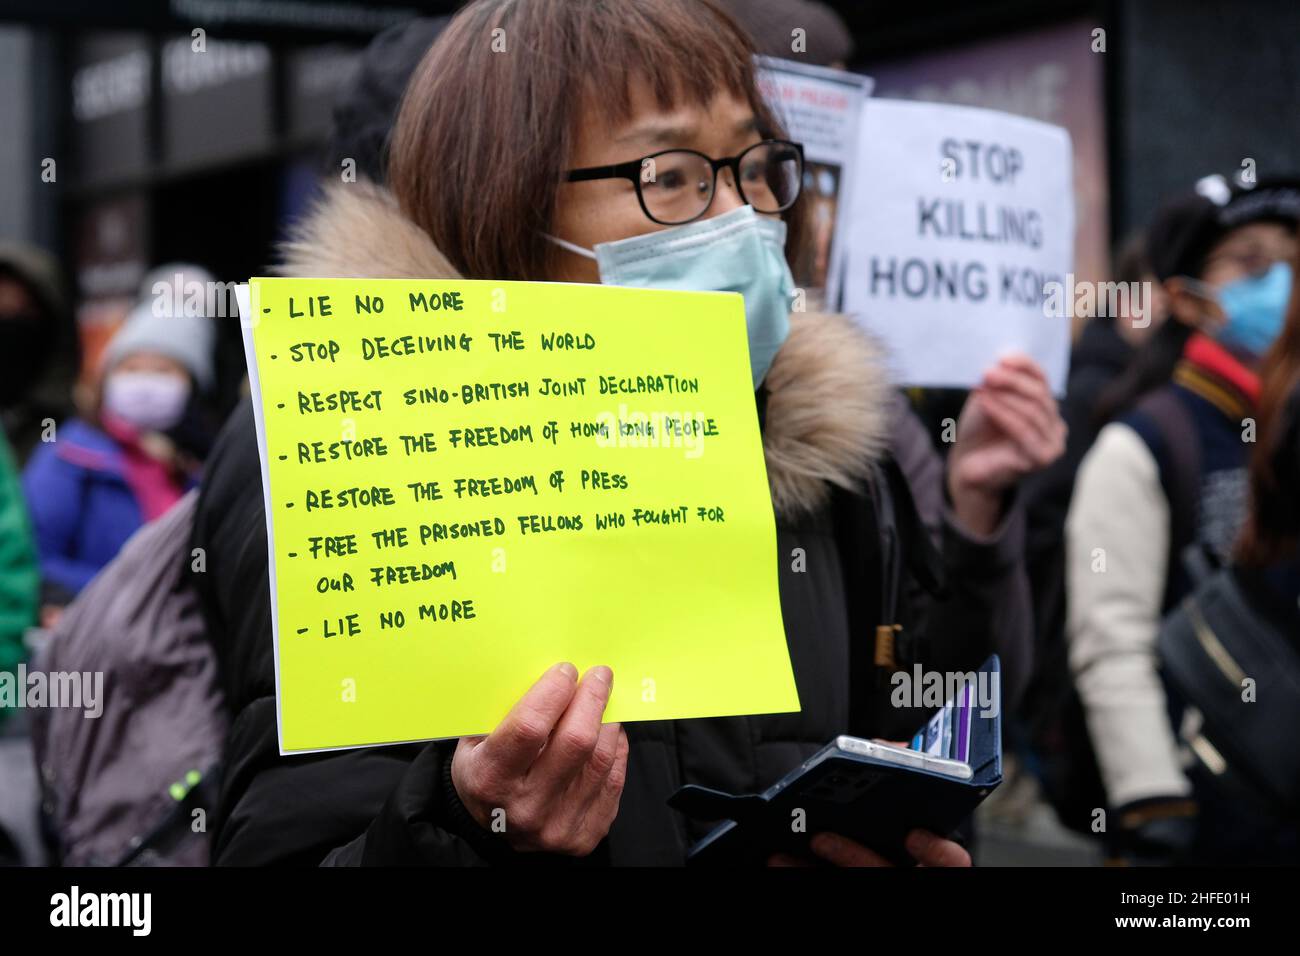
(26, 342)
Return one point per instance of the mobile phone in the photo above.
(872, 792)
(903, 757)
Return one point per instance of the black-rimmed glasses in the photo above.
(676, 186)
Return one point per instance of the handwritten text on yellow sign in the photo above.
(469, 481)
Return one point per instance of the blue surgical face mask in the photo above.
(1255, 308)
(739, 251)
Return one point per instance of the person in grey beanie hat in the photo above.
(185, 339)
(124, 462)
(180, 288)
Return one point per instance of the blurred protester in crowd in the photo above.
(190, 291)
(34, 314)
(31, 311)
(1106, 346)
(124, 462)
(1168, 473)
(1242, 821)
(19, 576)
(364, 116)
(1108, 342)
(802, 30)
(594, 83)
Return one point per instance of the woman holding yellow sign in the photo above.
(626, 142)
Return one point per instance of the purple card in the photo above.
(964, 711)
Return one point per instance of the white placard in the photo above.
(820, 108)
(961, 240)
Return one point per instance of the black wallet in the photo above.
(843, 789)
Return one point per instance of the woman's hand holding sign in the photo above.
(1009, 428)
(551, 766)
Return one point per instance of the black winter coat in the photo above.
(827, 417)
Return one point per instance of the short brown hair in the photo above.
(482, 137)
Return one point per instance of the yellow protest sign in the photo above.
(467, 482)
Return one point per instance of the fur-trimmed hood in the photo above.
(828, 394)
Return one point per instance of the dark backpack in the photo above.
(123, 788)
(1215, 641)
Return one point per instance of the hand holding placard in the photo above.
(550, 776)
